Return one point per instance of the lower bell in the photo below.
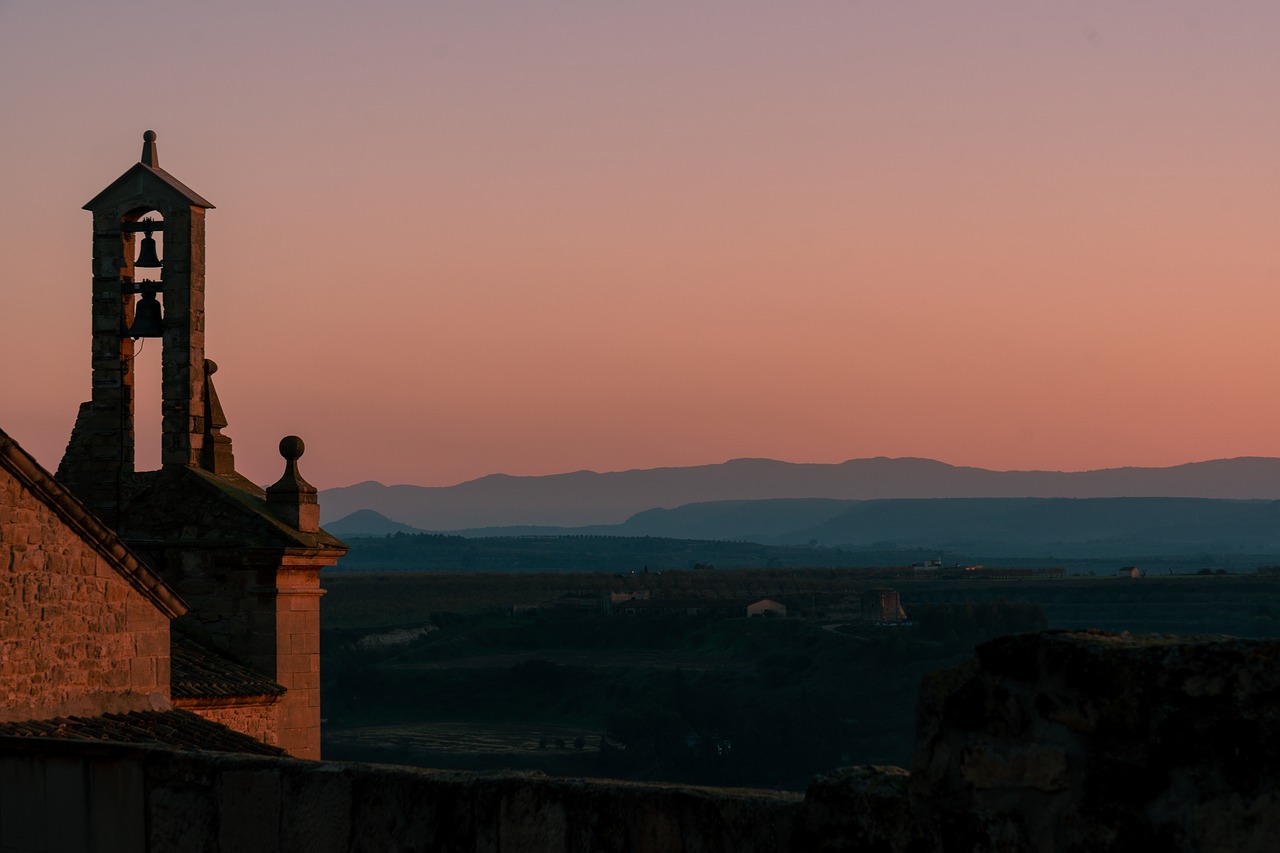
(147, 318)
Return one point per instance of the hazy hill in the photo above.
(1069, 532)
(588, 498)
(989, 527)
(367, 522)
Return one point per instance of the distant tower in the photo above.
(246, 560)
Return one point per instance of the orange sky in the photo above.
(457, 238)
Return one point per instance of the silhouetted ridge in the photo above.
(589, 498)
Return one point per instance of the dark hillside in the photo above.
(428, 668)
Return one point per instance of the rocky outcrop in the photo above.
(1097, 741)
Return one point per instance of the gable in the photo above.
(144, 181)
(26, 487)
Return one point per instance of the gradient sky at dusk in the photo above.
(458, 238)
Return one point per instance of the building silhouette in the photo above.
(204, 593)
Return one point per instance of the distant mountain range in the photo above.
(980, 528)
(585, 498)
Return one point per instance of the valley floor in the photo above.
(728, 701)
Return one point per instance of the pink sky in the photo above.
(457, 238)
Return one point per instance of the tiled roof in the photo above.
(198, 673)
(180, 729)
(184, 504)
(139, 172)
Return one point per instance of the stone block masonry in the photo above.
(259, 721)
(75, 636)
(298, 659)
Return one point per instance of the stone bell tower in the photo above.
(100, 456)
(247, 560)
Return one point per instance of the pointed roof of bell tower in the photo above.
(144, 179)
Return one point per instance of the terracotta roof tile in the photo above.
(196, 672)
(179, 729)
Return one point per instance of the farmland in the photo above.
(432, 669)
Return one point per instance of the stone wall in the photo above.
(261, 721)
(1054, 742)
(75, 636)
(176, 802)
(232, 604)
(265, 610)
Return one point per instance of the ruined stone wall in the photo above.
(75, 636)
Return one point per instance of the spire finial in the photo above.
(150, 157)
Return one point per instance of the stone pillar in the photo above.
(100, 454)
(297, 595)
(298, 655)
(182, 372)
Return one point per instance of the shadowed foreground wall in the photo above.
(1050, 742)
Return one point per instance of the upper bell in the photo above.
(147, 253)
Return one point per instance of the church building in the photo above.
(188, 592)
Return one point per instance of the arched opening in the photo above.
(145, 250)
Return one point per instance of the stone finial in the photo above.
(150, 156)
(216, 455)
(291, 498)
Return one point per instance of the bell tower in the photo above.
(246, 560)
(144, 200)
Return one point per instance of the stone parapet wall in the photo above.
(75, 636)
(1054, 742)
(170, 801)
